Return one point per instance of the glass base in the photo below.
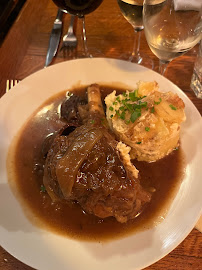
(74, 54)
(142, 59)
(90, 54)
(196, 83)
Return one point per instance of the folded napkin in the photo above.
(188, 5)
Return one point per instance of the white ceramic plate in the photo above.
(47, 251)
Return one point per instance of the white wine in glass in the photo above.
(132, 11)
(171, 29)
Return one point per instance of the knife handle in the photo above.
(59, 15)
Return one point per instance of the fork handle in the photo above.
(71, 26)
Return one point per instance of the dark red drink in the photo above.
(78, 7)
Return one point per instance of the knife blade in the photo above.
(54, 38)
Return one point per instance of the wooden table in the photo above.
(24, 50)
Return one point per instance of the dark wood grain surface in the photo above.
(24, 50)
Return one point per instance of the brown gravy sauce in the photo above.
(25, 170)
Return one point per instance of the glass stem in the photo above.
(162, 66)
(84, 37)
(135, 57)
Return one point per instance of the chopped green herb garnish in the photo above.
(143, 104)
(132, 104)
(138, 142)
(133, 95)
(173, 107)
(42, 188)
(111, 115)
(158, 102)
(152, 110)
(127, 121)
(117, 112)
(129, 107)
(92, 121)
(111, 108)
(118, 99)
(126, 99)
(147, 128)
(122, 116)
(122, 108)
(176, 148)
(134, 116)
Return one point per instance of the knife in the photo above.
(54, 38)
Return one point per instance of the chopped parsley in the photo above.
(42, 188)
(92, 121)
(134, 116)
(117, 112)
(143, 104)
(122, 108)
(128, 106)
(152, 110)
(133, 95)
(132, 104)
(122, 115)
(158, 102)
(127, 121)
(118, 99)
(138, 142)
(147, 128)
(173, 107)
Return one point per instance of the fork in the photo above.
(10, 84)
(70, 40)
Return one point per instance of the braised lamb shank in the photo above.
(89, 166)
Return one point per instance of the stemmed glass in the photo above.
(172, 28)
(79, 8)
(132, 11)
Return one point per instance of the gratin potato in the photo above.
(147, 120)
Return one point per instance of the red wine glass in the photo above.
(79, 8)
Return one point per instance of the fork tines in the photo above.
(10, 84)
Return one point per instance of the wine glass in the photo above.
(172, 28)
(132, 11)
(79, 8)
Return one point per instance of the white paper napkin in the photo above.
(187, 4)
